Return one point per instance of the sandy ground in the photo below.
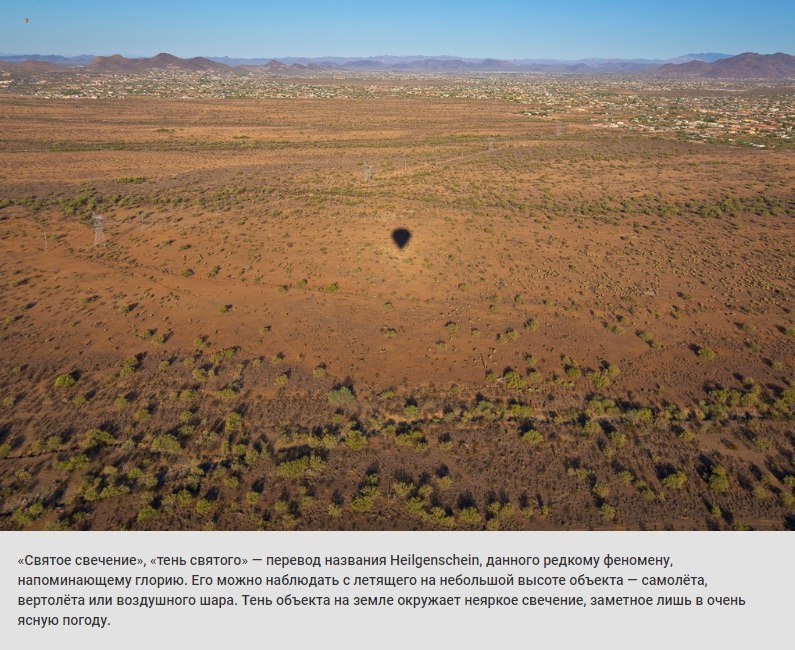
(649, 271)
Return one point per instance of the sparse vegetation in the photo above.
(250, 350)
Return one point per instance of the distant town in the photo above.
(685, 100)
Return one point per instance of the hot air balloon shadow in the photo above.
(401, 237)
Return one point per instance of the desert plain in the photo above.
(590, 326)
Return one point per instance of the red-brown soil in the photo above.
(249, 271)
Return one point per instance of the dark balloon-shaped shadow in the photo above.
(401, 237)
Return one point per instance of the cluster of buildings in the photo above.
(758, 113)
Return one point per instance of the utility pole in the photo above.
(99, 230)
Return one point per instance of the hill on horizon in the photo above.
(748, 65)
(119, 63)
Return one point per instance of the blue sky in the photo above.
(500, 28)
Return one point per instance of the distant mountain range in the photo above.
(743, 66)
(81, 59)
(274, 66)
(704, 56)
(709, 65)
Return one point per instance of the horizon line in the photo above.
(376, 56)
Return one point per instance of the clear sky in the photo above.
(498, 28)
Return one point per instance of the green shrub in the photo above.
(675, 481)
(362, 502)
(639, 416)
(411, 412)
(706, 353)
(25, 516)
(141, 414)
(402, 489)
(147, 513)
(618, 439)
(533, 437)
(646, 337)
(65, 380)
(72, 463)
(165, 443)
(521, 411)
(98, 438)
(718, 479)
(514, 380)
(355, 440)
(591, 427)
(186, 394)
(469, 516)
(534, 376)
(340, 396)
(233, 422)
(608, 512)
(412, 438)
(128, 366)
(305, 465)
